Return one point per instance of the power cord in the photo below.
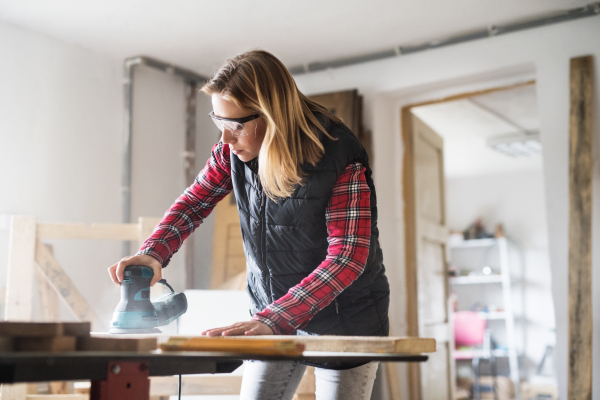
(179, 388)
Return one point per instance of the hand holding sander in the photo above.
(135, 313)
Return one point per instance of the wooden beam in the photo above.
(145, 227)
(31, 329)
(49, 303)
(580, 228)
(82, 231)
(357, 344)
(219, 384)
(115, 344)
(51, 344)
(64, 286)
(19, 283)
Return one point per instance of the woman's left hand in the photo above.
(248, 328)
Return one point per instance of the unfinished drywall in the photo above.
(541, 53)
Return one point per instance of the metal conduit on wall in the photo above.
(589, 10)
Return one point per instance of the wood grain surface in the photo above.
(580, 229)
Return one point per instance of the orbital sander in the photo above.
(135, 313)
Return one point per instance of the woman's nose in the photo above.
(227, 137)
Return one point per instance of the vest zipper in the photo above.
(263, 243)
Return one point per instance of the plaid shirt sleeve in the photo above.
(348, 217)
(189, 210)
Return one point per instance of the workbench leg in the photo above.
(124, 381)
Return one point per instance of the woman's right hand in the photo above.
(116, 271)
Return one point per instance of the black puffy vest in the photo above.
(285, 241)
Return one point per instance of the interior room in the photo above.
(477, 123)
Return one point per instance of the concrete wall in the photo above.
(542, 53)
(61, 145)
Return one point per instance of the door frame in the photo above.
(408, 197)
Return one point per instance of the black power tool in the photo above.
(135, 313)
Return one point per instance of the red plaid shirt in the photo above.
(348, 217)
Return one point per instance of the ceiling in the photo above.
(466, 124)
(201, 34)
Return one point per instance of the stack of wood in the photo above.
(64, 336)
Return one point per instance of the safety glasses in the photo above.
(234, 125)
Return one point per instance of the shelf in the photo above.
(470, 354)
(469, 244)
(475, 279)
(492, 315)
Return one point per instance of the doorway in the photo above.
(494, 264)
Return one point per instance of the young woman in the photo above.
(308, 216)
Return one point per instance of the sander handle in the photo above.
(164, 282)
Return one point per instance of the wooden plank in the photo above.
(31, 329)
(57, 397)
(19, 283)
(145, 227)
(262, 345)
(58, 387)
(49, 303)
(580, 228)
(83, 231)
(6, 345)
(65, 286)
(51, 344)
(16, 391)
(115, 344)
(308, 384)
(219, 384)
(77, 328)
(358, 344)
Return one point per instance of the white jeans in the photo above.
(278, 380)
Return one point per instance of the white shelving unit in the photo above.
(503, 279)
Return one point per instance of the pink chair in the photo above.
(470, 330)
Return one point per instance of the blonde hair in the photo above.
(258, 81)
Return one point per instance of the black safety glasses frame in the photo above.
(238, 120)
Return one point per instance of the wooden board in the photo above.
(116, 344)
(57, 397)
(82, 231)
(358, 344)
(6, 345)
(49, 302)
(220, 384)
(580, 228)
(228, 248)
(259, 345)
(52, 344)
(19, 285)
(76, 328)
(31, 329)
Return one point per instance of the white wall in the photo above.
(60, 151)
(543, 53)
(517, 201)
